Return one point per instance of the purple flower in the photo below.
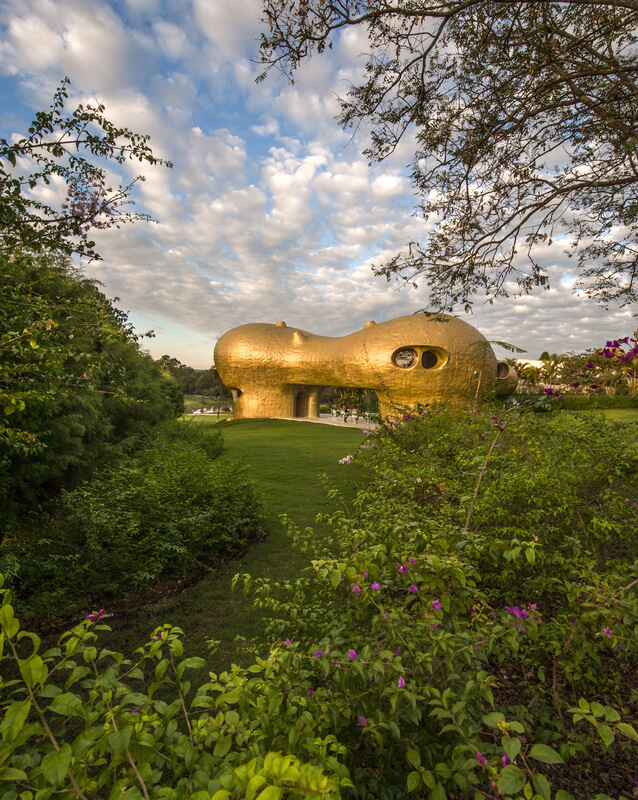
(608, 632)
(413, 589)
(362, 721)
(352, 655)
(135, 711)
(309, 692)
(481, 758)
(401, 683)
(549, 392)
(413, 561)
(436, 605)
(575, 385)
(434, 625)
(375, 587)
(288, 641)
(589, 366)
(356, 589)
(403, 568)
(97, 615)
(517, 612)
(318, 653)
(397, 650)
(505, 760)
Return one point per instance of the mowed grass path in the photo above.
(285, 459)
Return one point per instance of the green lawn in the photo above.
(285, 459)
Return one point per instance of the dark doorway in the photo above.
(301, 405)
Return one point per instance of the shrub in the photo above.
(433, 646)
(169, 509)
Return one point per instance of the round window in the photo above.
(502, 369)
(404, 358)
(429, 359)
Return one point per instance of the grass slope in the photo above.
(285, 459)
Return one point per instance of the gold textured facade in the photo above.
(277, 371)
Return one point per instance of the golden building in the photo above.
(277, 371)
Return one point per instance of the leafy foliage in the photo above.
(169, 508)
(523, 114)
(50, 153)
(75, 386)
(417, 654)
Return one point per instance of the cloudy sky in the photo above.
(270, 212)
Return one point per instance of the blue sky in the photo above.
(270, 212)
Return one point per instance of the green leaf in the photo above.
(511, 745)
(222, 746)
(512, 780)
(55, 765)
(493, 719)
(272, 793)
(67, 704)
(530, 555)
(623, 727)
(561, 794)
(414, 781)
(14, 719)
(541, 784)
(439, 793)
(414, 757)
(335, 577)
(605, 733)
(33, 670)
(11, 774)
(546, 754)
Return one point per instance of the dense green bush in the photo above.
(459, 635)
(76, 389)
(172, 506)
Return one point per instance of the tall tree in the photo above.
(66, 145)
(525, 115)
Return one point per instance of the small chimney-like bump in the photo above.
(370, 324)
(298, 337)
(280, 324)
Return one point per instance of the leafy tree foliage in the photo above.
(74, 384)
(524, 120)
(50, 154)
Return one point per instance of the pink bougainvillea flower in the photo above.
(362, 721)
(436, 605)
(401, 683)
(352, 655)
(481, 758)
(403, 568)
(505, 760)
(288, 641)
(95, 615)
(356, 589)
(375, 587)
(318, 653)
(608, 632)
(309, 692)
(413, 589)
(413, 561)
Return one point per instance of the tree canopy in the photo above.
(524, 115)
(53, 151)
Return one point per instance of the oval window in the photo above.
(502, 369)
(429, 359)
(404, 358)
